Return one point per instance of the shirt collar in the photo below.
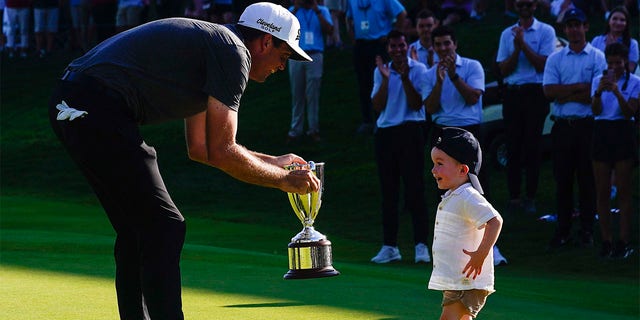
(588, 48)
(412, 64)
(534, 26)
(457, 190)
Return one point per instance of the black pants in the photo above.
(571, 142)
(399, 153)
(364, 61)
(123, 172)
(524, 111)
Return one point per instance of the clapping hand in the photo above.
(384, 68)
(518, 37)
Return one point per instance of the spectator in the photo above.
(630, 5)
(399, 147)
(129, 14)
(618, 30)
(222, 12)
(509, 9)
(336, 8)
(479, 9)
(45, 16)
(454, 11)
(79, 12)
(567, 80)
(412, 16)
(18, 20)
(615, 101)
(199, 9)
(306, 77)
(103, 13)
(522, 53)
(559, 7)
(422, 49)
(3, 37)
(452, 94)
(368, 22)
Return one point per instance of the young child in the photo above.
(466, 227)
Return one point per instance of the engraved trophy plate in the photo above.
(309, 250)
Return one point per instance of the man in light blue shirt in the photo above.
(368, 23)
(305, 77)
(522, 53)
(567, 80)
(422, 49)
(452, 92)
(399, 143)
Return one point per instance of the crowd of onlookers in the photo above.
(586, 88)
(41, 26)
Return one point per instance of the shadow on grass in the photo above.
(266, 305)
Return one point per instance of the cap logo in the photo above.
(298, 36)
(269, 26)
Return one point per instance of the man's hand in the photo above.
(301, 182)
(384, 69)
(518, 37)
(402, 67)
(287, 159)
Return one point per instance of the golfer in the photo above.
(164, 70)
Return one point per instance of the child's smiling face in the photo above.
(448, 172)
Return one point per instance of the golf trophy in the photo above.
(309, 250)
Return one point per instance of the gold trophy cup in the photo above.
(309, 250)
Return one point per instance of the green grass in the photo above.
(56, 264)
(56, 243)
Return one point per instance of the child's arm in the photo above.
(491, 232)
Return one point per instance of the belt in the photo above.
(90, 82)
(526, 86)
(572, 121)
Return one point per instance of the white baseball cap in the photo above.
(277, 21)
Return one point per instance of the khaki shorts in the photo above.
(473, 299)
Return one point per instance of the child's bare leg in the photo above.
(455, 311)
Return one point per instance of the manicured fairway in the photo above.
(56, 263)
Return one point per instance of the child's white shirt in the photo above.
(460, 221)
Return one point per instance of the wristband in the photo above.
(455, 77)
(597, 94)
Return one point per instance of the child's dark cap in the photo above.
(461, 145)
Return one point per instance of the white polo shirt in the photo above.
(460, 221)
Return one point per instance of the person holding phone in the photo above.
(615, 101)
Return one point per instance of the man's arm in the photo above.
(470, 94)
(325, 25)
(563, 93)
(211, 140)
(414, 100)
(432, 102)
(400, 18)
(379, 99)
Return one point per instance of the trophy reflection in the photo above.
(309, 250)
